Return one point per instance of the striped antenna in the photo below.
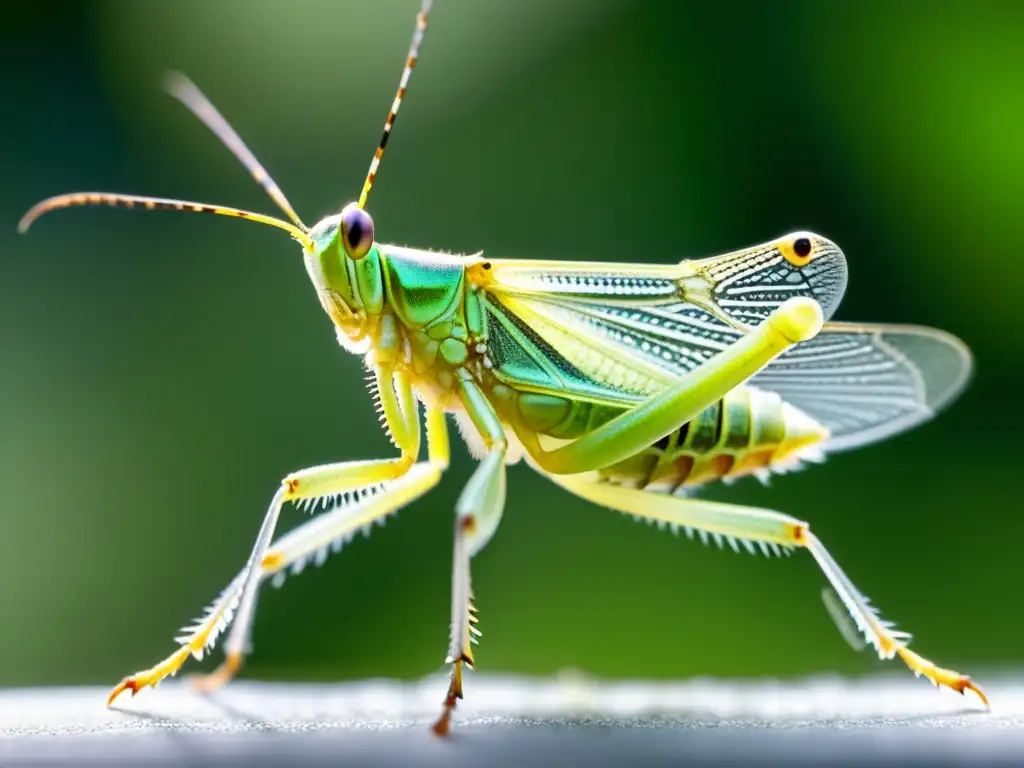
(185, 91)
(410, 62)
(154, 204)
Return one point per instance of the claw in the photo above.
(151, 676)
(128, 684)
(443, 724)
(941, 677)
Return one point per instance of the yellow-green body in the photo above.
(627, 384)
(557, 364)
(440, 317)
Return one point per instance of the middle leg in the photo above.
(478, 512)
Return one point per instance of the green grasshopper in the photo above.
(629, 385)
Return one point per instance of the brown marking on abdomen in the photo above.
(710, 469)
(713, 447)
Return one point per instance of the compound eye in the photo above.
(356, 231)
(797, 249)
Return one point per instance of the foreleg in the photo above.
(400, 414)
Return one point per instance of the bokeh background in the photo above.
(160, 373)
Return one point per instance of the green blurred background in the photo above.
(160, 373)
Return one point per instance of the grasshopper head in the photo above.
(344, 264)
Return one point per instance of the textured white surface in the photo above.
(517, 721)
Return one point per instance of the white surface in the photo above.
(517, 721)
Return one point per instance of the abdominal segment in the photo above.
(749, 431)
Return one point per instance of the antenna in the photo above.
(153, 204)
(410, 62)
(185, 91)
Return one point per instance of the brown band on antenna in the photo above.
(414, 51)
(185, 91)
(153, 204)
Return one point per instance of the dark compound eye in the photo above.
(356, 231)
(802, 247)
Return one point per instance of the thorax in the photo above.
(432, 323)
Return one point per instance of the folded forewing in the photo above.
(863, 382)
(740, 288)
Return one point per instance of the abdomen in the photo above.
(749, 431)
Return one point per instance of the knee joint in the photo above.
(797, 533)
(272, 561)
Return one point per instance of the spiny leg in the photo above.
(478, 513)
(745, 525)
(879, 633)
(313, 539)
(400, 413)
(797, 320)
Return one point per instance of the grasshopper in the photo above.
(629, 385)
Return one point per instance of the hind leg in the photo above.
(797, 320)
(749, 525)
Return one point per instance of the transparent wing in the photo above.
(863, 382)
(869, 382)
(619, 332)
